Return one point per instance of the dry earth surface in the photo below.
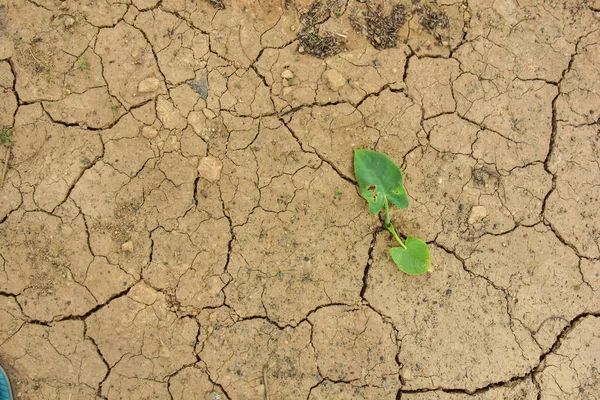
(179, 218)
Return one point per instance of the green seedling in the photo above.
(85, 64)
(49, 74)
(6, 137)
(380, 182)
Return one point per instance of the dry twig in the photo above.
(265, 383)
(5, 167)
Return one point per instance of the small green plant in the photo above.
(114, 107)
(85, 64)
(380, 180)
(6, 137)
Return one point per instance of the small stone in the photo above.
(127, 247)
(287, 74)
(477, 214)
(334, 79)
(300, 49)
(286, 90)
(210, 168)
(149, 132)
(69, 22)
(148, 85)
(208, 113)
(200, 86)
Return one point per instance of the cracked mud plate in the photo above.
(179, 219)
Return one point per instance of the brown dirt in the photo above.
(179, 218)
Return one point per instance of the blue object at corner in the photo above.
(5, 390)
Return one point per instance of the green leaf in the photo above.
(379, 178)
(414, 259)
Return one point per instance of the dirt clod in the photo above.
(334, 79)
(148, 85)
(287, 74)
(210, 168)
(149, 132)
(127, 247)
(200, 86)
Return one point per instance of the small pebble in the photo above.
(127, 247)
(210, 168)
(287, 74)
(334, 79)
(69, 22)
(148, 85)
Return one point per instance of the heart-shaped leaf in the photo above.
(379, 178)
(414, 259)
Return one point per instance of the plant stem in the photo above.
(390, 228)
(387, 213)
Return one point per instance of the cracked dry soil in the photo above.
(179, 218)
